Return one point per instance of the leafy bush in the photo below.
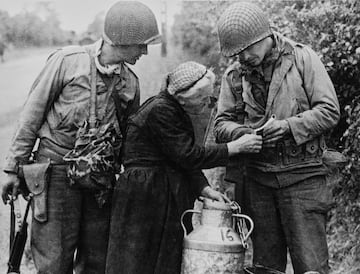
(195, 30)
(332, 28)
(345, 222)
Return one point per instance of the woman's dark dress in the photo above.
(162, 178)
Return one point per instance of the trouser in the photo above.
(76, 233)
(290, 218)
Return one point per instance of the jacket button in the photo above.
(293, 151)
(312, 147)
(36, 185)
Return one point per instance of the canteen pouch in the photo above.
(92, 163)
(333, 158)
(36, 176)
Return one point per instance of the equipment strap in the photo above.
(93, 99)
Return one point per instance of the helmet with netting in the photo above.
(240, 26)
(130, 23)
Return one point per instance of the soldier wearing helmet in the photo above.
(283, 187)
(69, 230)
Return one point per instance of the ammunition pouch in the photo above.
(286, 155)
(36, 177)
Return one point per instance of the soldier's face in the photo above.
(255, 54)
(130, 54)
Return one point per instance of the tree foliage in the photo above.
(332, 28)
(96, 27)
(31, 29)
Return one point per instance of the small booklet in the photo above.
(259, 131)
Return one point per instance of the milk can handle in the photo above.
(250, 221)
(183, 215)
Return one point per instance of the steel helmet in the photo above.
(130, 23)
(241, 25)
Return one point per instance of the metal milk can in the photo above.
(218, 244)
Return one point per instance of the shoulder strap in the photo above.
(110, 84)
(93, 96)
(235, 81)
(120, 111)
(93, 99)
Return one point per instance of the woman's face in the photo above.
(196, 100)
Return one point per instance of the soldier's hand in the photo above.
(275, 131)
(248, 143)
(240, 131)
(11, 186)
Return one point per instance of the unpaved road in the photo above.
(16, 78)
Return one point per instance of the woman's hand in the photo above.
(248, 143)
(212, 194)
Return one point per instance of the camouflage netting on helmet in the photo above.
(92, 163)
(131, 23)
(241, 25)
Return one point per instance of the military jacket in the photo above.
(300, 92)
(58, 103)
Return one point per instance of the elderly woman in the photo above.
(163, 174)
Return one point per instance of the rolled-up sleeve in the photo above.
(324, 112)
(41, 96)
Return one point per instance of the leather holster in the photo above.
(36, 177)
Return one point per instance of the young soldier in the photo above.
(58, 104)
(284, 185)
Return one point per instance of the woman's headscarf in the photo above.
(191, 83)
